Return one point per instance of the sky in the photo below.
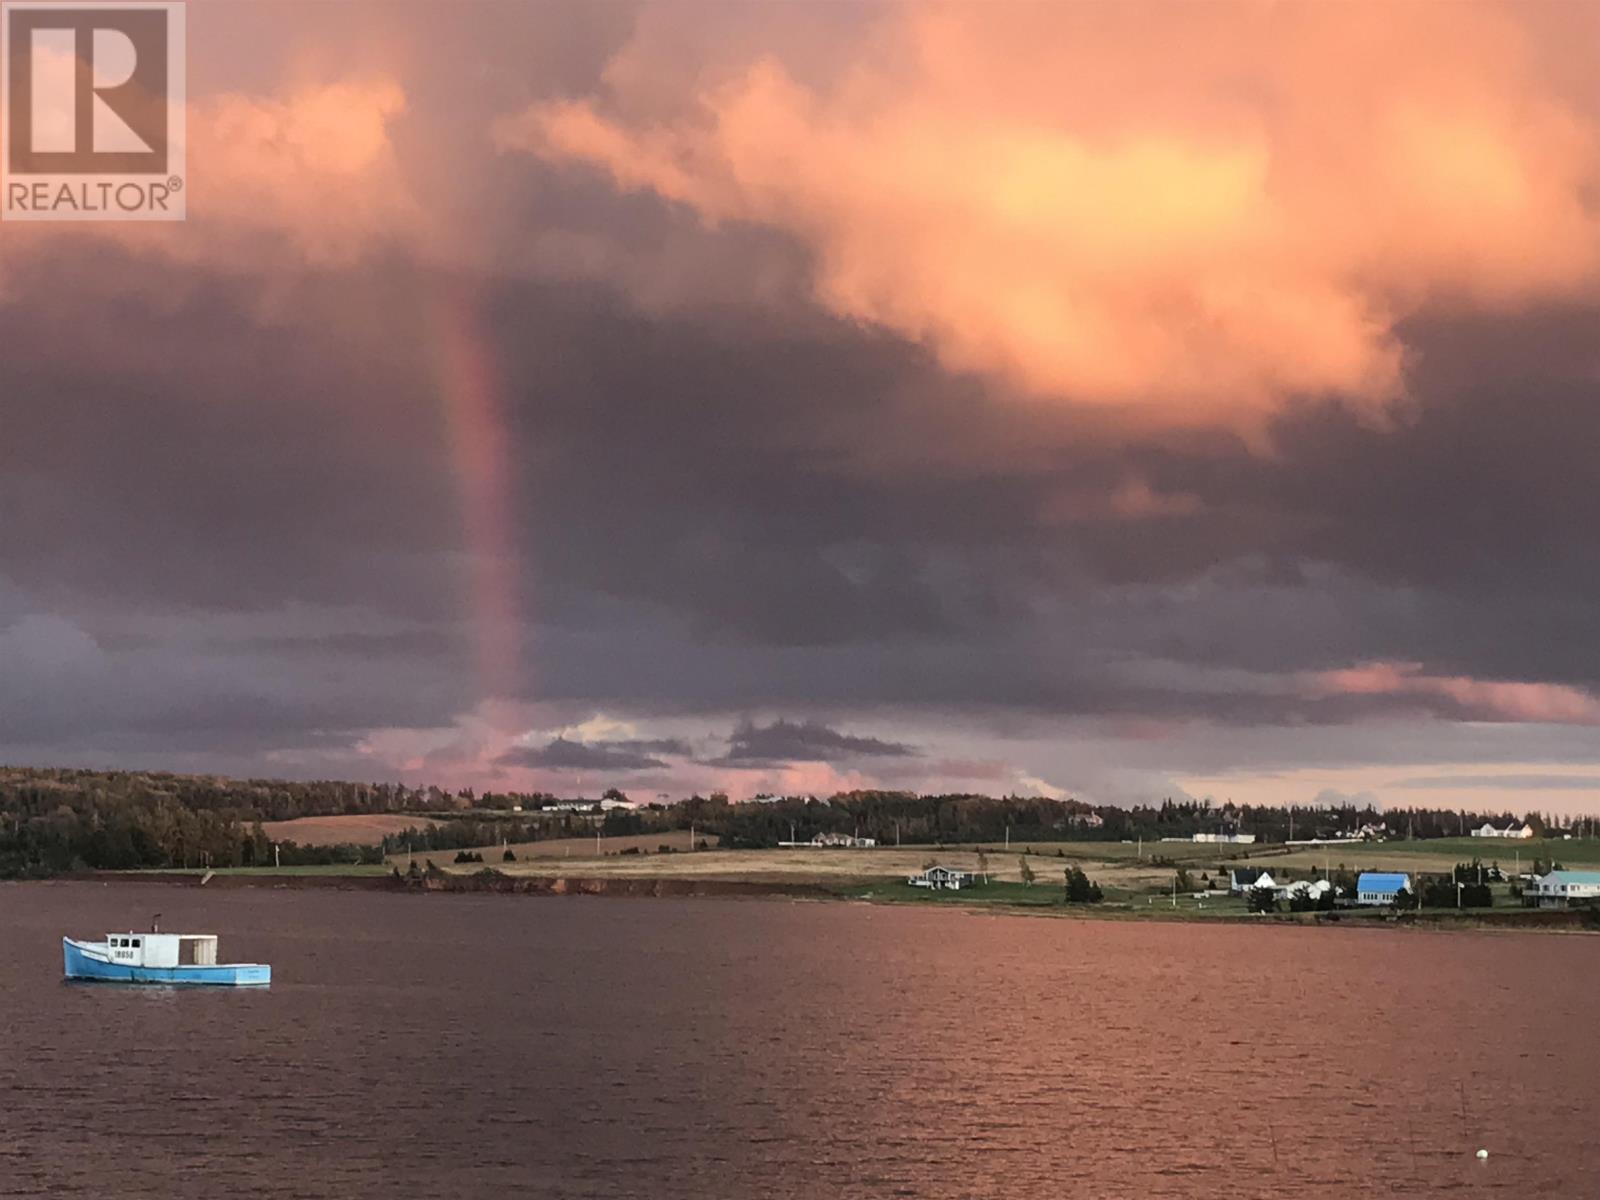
(1111, 401)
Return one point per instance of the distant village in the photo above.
(1467, 886)
(1558, 888)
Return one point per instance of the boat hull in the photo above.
(82, 964)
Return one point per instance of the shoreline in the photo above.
(491, 882)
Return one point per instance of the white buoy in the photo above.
(1483, 1154)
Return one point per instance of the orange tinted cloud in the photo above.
(1196, 210)
(316, 163)
(1480, 699)
(306, 175)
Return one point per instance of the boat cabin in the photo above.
(162, 949)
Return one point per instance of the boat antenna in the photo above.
(155, 923)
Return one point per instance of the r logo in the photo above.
(88, 90)
(94, 124)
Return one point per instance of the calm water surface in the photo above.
(473, 1047)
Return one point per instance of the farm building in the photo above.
(1513, 830)
(943, 879)
(1244, 879)
(1558, 889)
(1380, 887)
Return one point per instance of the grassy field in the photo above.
(842, 868)
(362, 829)
(1115, 865)
(1127, 878)
(1133, 888)
(879, 861)
(563, 849)
(1435, 855)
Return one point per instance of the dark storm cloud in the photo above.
(194, 453)
(772, 522)
(731, 514)
(562, 754)
(785, 741)
(202, 691)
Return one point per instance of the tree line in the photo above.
(55, 820)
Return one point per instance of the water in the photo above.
(469, 1046)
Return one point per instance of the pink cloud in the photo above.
(1478, 699)
(1187, 211)
(309, 175)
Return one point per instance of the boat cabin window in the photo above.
(135, 943)
(118, 941)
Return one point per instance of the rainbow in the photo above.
(472, 402)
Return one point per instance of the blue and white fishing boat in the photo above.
(187, 958)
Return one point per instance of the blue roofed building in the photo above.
(1380, 887)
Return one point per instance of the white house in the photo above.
(1375, 888)
(825, 841)
(1314, 888)
(1241, 839)
(943, 879)
(851, 841)
(1513, 830)
(1560, 888)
